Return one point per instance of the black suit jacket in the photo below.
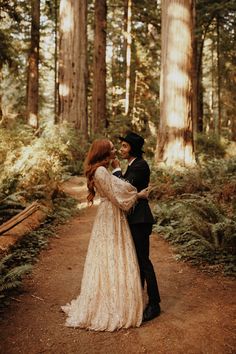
(138, 174)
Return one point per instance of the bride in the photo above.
(111, 294)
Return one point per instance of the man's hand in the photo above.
(115, 163)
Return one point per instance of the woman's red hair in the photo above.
(98, 155)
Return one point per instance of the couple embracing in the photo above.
(117, 264)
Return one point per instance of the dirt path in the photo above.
(198, 310)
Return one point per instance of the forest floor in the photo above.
(198, 309)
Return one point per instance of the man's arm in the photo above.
(117, 173)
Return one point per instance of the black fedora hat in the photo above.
(134, 140)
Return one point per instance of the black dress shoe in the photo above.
(151, 311)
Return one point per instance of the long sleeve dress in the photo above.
(111, 292)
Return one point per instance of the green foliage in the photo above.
(32, 167)
(209, 147)
(13, 138)
(196, 212)
(145, 63)
(167, 183)
(64, 207)
(6, 49)
(215, 177)
(10, 278)
(220, 176)
(14, 37)
(199, 229)
(11, 18)
(215, 23)
(34, 164)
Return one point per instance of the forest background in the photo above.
(75, 70)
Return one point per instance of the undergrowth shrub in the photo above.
(220, 176)
(195, 210)
(167, 183)
(209, 146)
(13, 139)
(31, 166)
(199, 229)
(11, 278)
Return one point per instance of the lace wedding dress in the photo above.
(111, 293)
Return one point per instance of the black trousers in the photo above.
(141, 234)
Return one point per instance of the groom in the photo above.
(140, 219)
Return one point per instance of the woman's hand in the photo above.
(115, 163)
(144, 193)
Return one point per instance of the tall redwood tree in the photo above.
(73, 67)
(99, 119)
(175, 134)
(32, 96)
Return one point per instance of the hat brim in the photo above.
(127, 141)
(123, 139)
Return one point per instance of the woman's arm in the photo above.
(119, 192)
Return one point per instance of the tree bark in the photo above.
(99, 119)
(33, 70)
(1, 114)
(211, 93)
(218, 120)
(199, 87)
(175, 134)
(125, 30)
(128, 57)
(233, 129)
(56, 93)
(73, 70)
(194, 78)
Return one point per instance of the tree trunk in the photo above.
(233, 129)
(33, 70)
(73, 70)
(135, 95)
(199, 87)
(1, 114)
(114, 71)
(200, 102)
(194, 78)
(175, 135)
(56, 120)
(113, 99)
(128, 57)
(99, 119)
(1, 108)
(211, 93)
(198, 43)
(218, 120)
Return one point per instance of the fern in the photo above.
(11, 279)
(198, 228)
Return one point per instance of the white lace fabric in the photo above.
(111, 293)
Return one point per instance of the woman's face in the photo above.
(113, 151)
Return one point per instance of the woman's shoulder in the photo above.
(100, 171)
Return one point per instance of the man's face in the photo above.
(125, 150)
